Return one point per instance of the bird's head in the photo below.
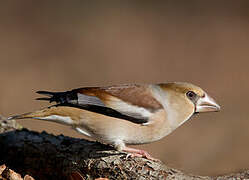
(187, 94)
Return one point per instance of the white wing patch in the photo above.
(92, 100)
(128, 109)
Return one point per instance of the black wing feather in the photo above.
(59, 97)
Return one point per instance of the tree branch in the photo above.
(45, 156)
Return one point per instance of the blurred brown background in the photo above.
(49, 45)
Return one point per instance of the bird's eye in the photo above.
(191, 95)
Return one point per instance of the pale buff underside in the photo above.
(113, 130)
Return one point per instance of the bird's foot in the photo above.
(132, 152)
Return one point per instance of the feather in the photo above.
(117, 101)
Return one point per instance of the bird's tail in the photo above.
(33, 115)
(59, 114)
(58, 97)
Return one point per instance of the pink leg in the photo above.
(138, 153)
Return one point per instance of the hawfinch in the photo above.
(125, 114)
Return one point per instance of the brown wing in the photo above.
(137, 95)
(131, 102)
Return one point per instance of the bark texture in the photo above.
(45, 156)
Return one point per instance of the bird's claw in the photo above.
(141, 154)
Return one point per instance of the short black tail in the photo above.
(58, 97)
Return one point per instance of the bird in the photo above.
(126, 114)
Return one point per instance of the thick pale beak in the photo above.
(206, 104)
